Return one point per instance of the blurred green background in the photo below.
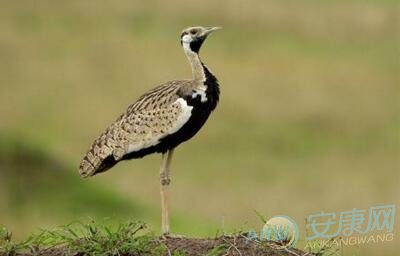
(308, 119)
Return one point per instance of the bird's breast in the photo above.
(203, 97)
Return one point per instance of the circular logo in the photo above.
(281, 229)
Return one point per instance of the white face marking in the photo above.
(186, 39)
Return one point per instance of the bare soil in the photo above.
(224, 245)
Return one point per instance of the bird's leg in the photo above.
(165, 180)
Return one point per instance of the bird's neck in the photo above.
(198, 69)
(202, 74)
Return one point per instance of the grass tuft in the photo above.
(90, 238)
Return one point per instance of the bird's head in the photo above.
(193, 37)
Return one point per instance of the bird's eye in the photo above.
(193, 31)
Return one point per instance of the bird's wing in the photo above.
(155, 115)
(158, 97)
(146, 128)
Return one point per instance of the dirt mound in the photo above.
(182, 246)
(225, 245)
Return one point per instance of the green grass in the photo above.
(86, 239)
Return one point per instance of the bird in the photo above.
(160, 120)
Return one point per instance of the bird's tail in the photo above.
(98, 159)
(86, 169)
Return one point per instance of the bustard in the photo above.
(160, 120)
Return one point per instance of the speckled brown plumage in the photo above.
(149, 119)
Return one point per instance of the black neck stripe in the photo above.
(196, 44)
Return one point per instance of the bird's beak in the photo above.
(210, 29)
